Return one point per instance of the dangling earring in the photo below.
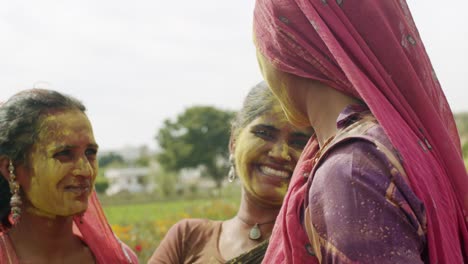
(232, 170)
(15, 200)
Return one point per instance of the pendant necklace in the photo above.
(255, 233)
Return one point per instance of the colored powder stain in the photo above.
(47, 175)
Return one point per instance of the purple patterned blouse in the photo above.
(362, 209)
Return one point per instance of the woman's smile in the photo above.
(274, 172)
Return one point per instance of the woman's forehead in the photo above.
(274, 116)
(63, 118)
(61, 124)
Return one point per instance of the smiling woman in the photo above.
(48, 166)
(264, 149)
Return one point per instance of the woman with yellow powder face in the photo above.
(264, 149)
(49, 211)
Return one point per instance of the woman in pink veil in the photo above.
(49, 210)
(388, 184)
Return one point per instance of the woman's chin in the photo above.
(77, 209)
(270, 199)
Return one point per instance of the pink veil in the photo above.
(97, 234)
(372, 50)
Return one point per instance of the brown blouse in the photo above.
(190, 241)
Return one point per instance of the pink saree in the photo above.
(372, 50)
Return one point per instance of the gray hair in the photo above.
(259, 100)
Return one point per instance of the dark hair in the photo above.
(19, 122)
(259, 100)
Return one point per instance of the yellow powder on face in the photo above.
(246, 151)
(51, 172)
(252, 184)
(251, 150)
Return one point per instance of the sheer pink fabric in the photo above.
(372, 50)
(97, 234)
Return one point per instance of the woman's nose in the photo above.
(280, 151)
(83, 167)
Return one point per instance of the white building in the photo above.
(127, 179)
(194, 177)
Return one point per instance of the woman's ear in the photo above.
(4, 163)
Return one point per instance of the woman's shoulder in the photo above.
(197, 227)
(368, 156)
(196, 222)
(371, 145)
(345, 161)
(364, 161)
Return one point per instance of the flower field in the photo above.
(143, 226)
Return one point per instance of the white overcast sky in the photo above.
(136, 63)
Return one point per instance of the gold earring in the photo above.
(15, 200)
(232, 170)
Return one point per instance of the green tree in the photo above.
(110, 158)
(101, 183)
(198, 138)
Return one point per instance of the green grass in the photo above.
(142, 226)
(134, 213)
